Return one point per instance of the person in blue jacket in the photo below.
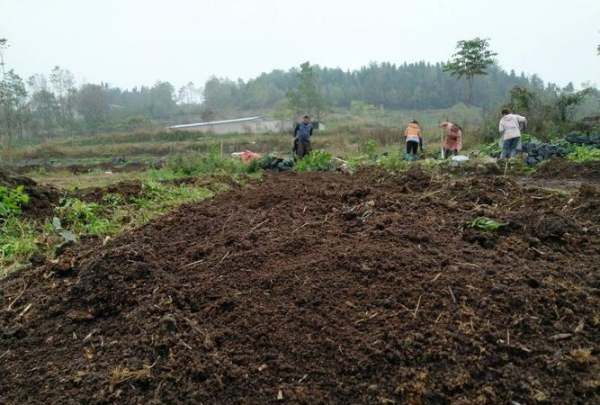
(302, 134)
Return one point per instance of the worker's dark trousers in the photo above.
(449, 152)
(412, 147)
(302, 148)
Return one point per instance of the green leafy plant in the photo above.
(11, 200)
(491, 149)
(369, 148)
(394, 161)
(65, 234)
(582, 154)
(486, 224)
(83, 218)
(316, 161)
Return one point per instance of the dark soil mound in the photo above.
(320, 288)
(42, 199)
(564, 169)
(127, 189)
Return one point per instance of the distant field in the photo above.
(346, 132)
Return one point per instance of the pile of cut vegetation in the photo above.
(321, 288)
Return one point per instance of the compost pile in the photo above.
(321, 288)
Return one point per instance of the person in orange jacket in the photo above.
(414, 139)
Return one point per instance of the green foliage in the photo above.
(316, 161)
(394, 161)
(211, 163)
(568, 100)
(369, 148)
(21, 238)
(471, 59)
(158, 195)
(582, 154)
(84, 218)
(486, 224)
(65, 234)
(307, 98)
(11, 200)
(17, 241)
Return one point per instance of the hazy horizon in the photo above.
(136, 42)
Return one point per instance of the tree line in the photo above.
(414, 86)
(53, 104)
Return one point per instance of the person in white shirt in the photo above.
(510, 129)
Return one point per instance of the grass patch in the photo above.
(18, 242)
(21, 238)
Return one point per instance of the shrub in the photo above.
(11, 201)
(316, 161)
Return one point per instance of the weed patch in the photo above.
(11, 200)
(316, 161)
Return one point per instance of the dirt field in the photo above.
(321, 288)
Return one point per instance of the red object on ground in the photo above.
(248, 156)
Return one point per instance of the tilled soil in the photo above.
(321, 288)
(563, 169)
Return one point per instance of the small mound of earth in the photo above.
(564, 169)
(127, 189)
(42, 199)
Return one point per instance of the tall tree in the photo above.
(472, 58)
(93, 105)
(307, 98)
(568, 99)
(43, 105)
(161, 102)
(63, 85)
(220, 94)
(13, 98)
(3, 46)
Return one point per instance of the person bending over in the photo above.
(414, 139)
(452, 139)
(510, 129)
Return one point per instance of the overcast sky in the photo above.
(134, 42)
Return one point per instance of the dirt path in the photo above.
(321, 288)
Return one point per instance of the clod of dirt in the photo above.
(553, 227)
